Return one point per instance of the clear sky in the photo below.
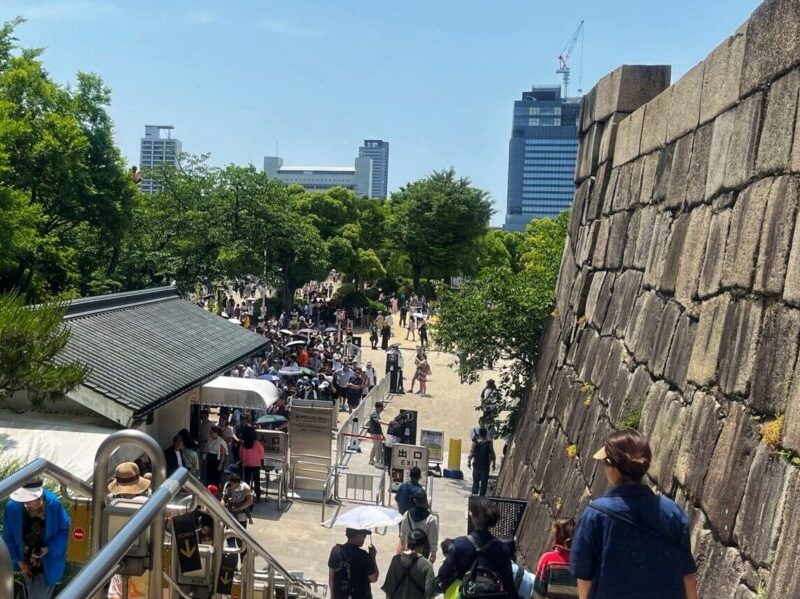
(436, 78)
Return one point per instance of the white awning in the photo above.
(235, 392)
(67, 441)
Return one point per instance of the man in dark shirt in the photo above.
(481, 458)
(376, 432)
(406, 492)
(351, 570)
(462, 553)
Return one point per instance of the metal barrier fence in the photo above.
(359, 415)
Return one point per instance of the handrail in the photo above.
(6, 571)
(377, 393)
(41, 466)
(99, 493)
(102, 566)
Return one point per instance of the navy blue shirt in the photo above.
(405, 495)
(626, 561)
(462, 554)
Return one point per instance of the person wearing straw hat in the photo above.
(35, 530)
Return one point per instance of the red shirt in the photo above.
(251, 457)
(302, 358)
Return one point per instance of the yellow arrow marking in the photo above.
(188, 550)
(225, 578)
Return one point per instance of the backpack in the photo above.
(342, 578)
(481, 581)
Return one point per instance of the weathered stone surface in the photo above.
(663, 169)
(642, 340)
(775, 357)
(586, 117)
(578, 214)
(665, 439)
(662, 340)
(657, 250)
(775, 143)
(740, 161)
(679, 173)
(601, 245)
(586, 242)
(626, 289)
(738, 346)
(705, 352)
(588, 152)
(783, 580)
(719, 569)
(648, 177)
(791, 291)
(622, 190)
(684, 106)
(627, 87)
(791, 426)
(744, 233)
(635, 395)
(698, 169)
(680, 352)
(724, 483)
(672, 257)
(594, 291)
(631, 236)
(603, 178)
(629, 134)
(773, 43)
(654, 131)
(580, 289)
(794, 160)
(644, 236)
(703, 427)
(721, 76)
(776, 235)
(654, 401)
(609, 139)
(691, 259)
(616, 240)
(759, 519)
(636, 323)
(711, 273)
(718, 154)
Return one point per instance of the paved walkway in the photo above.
(295, 535)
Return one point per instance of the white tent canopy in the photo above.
(70, 442)
(235, 392)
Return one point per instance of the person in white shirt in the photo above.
(372, 376)
(249, 372)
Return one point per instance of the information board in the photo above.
(404, 458)
(310, 445)
(434, 441)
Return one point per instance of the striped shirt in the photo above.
(553, 579)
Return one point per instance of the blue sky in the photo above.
(436, 78)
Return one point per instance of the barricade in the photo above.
(361, 413)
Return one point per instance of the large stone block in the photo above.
(791, 426)
(649, 177)
(601, 245)
(776, 235)
(719, 569)
(622, 190)
(672, 256)
(680, 351)
(724, 483)
(794, 160)
(626, 288)
(758, 523)
(603, 178)
(608, 141)
(691, 259)
(584, 248)
(703, 427)
(588, 152)
(740, 161)
(775, 144)
(662, 339)
(679, 173)
(654, 401)
(586, 117)
(598, 278)
(721, 76)
(718, 154)
(738, 346)
(783, 580)
(705, 352)
(580, 289)
(775, 358)
(632, 235)
(773, 43)
(627, 87)
(654, 132)
(657, 249)
(646, 223)
(663, 169)
(744, 234)
(616, 240)
(642, 340)
(684, 107)
(791, 291)
(698, 169)
(629, 134)
(665, 439)
(637, 321)
(711, 273)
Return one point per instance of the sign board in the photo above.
(227, 567)
(404, 458)
(310, 445)
(434, 442)
(317, 403)
(186, 543)
(78, 542)
(409, 421)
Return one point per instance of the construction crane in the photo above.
(563, 58)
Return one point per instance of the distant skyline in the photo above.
(435, 79)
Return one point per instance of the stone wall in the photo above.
(678, 307)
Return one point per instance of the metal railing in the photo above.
(361, 413)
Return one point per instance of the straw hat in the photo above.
(30, 491)
(127, 480)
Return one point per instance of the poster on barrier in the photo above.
(404, 458)
(433, 440)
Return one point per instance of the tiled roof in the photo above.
(145, 348)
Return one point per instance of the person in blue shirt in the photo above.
(35, 530)
(632, 543)
(406, 492)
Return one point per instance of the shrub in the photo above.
(772, 433)
(388, 284)
(375, 307)
(632, 420)
(427, 288)
(348, 296)
(372, 293)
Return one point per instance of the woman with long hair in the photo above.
(631, 543)
(250, 454)
(553, 578)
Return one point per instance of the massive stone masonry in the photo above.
(678, 307)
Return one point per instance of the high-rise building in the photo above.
(157, 147)
(541, 156)
(366, 178)
(378, 151)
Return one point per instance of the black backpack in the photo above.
(342, 578)
(482, 581)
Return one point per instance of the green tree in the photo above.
(31, 340)
(499, 317)
(436, 222)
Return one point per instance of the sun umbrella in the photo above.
(308, 371)
(234, 321)
(369, 516)
(331, 329)
(307, 331)
(286, 332)
(296, 343)
(271, 419)
(270, 377)
(419, 315)
(290, 371)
